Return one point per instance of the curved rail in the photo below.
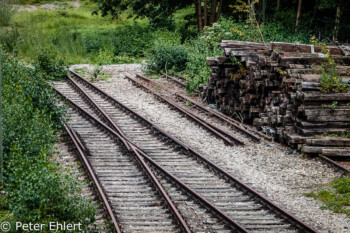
(335, 164)
(235, 181)
(132, 147)
(216, 210)
(218, 115)
(213, 129)
(92, 176)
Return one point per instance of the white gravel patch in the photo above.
(47, 6)
(267, 167)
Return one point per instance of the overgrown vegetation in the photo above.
(133, 40)
(207, 45)
(331, 81)
(6, 12)
(335, 196)
(171, 36)
(345, 134)
(73, 35)
(53, 67)
(168, 57)
(37, 188)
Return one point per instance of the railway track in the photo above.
(121, 179)
(233, 206)
(340, 164)
(180, 81)
(240, 129)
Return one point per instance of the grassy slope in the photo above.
(66, 31)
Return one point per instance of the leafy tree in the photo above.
(159, 12)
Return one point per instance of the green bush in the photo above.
(207, 43)
(133, 40)
(51, 65)
(92, 43)
(37, 189)
(331, 81)
(9, 38)
(168, 57)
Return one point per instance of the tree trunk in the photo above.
(337, 24)
(198, 7)
(298, 13)
(205, 13)
(219, 11)
(263, 10)
(213, 11)
(278, 4)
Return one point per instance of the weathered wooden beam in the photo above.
(336, 152)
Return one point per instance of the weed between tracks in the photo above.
(335, 195)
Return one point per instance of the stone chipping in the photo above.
(284, 176)
(68, 159)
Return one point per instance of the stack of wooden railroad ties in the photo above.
(276, 87)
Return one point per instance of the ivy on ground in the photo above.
(37, 188)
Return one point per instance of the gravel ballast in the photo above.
(68, 159)
(270, 168)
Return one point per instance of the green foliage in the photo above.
(92, 43)
(345, 134)
(133, 40)
(207, 45)
(37, 189)
(95, 73)
(334, 105)
(104, 56)
(331, 82)
(125, 59)
(336, 196)
(158, 12)
(50, 65)
(73, 34)
(7, 11)
(9, 38)
(168, 57)
(36, 2)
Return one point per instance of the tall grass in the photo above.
(65, 41)
(7, 11)
(72, 33)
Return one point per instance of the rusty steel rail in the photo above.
(175, 77)
(229, 120)
(227, 138)
(211, 112)
(139, 151)
(131, 146)
(235, 181)
(213, 129)
(335, 164)
(92, 176)
(175, 80)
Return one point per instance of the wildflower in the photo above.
(237, 31)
